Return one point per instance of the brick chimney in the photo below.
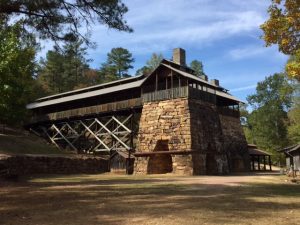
(179, 56)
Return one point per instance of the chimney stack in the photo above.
(204, 77)
(179, 56)
(215, 82)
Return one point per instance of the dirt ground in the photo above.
(164, 199)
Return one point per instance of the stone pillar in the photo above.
(169, 121)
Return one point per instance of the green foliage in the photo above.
(154, 61)
(151, 64)
(108, 73)
(294, 117)
(17, 67)
(283, 28)
(143, 71)
(119, 60)
(66, 69)
(197, 66)
(62, 20)
(268, 121)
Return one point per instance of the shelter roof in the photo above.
(124, 84)
(255, 151)
(291, 149)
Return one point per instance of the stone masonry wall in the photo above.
(217, 141)
(235, 144)
(167, 120)
(207, 136)
(42, 164)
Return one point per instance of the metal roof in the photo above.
(193, 77)
(119, 85)
(188, 75)
(227, 95)
(86, 94)
(94, 87)
(290, 149)
(255, 151)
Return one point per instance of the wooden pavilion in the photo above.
(259, 159)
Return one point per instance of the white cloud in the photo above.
(161, 25)
(255, 51)
(249, 87)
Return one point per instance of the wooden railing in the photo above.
(85, 111)
(229, 111)
(179, 92)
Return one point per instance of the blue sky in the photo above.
(224, 35)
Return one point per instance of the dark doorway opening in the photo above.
(211, 164)
(160, 163)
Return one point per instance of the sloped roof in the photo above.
(91, 88)
(255, 151)
(87, 94)
(290, 149)
(120, 85)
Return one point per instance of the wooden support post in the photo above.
(270, 163)
(265, 163)
(253, 162)
(172, 86)
(258, 160)
(166, 83)
(156, 82)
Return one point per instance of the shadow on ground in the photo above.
(148, 200)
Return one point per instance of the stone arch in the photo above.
(160, 163)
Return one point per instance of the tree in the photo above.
(65, 69)
(108, 73)
(197, 66)
(75, 64)
(50, 72)
(154, 61)
(62, 20)
(283, 28)
(268, 120)
(294, 117)
(17, 68)
(151, 64)
(143, 71)
(120, 59)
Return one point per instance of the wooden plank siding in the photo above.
(179, 92)
(85, 111)
(172, 93)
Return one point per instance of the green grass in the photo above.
(26, 144)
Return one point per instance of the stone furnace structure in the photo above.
(168, 121)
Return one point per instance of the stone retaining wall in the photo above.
(44, 164)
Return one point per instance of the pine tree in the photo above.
(151, 64)
(120, 59)
(64, 70)
(197, 66)
(61, 20)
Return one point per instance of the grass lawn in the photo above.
(165, 199)
(26, 144)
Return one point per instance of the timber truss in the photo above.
(91, 136)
